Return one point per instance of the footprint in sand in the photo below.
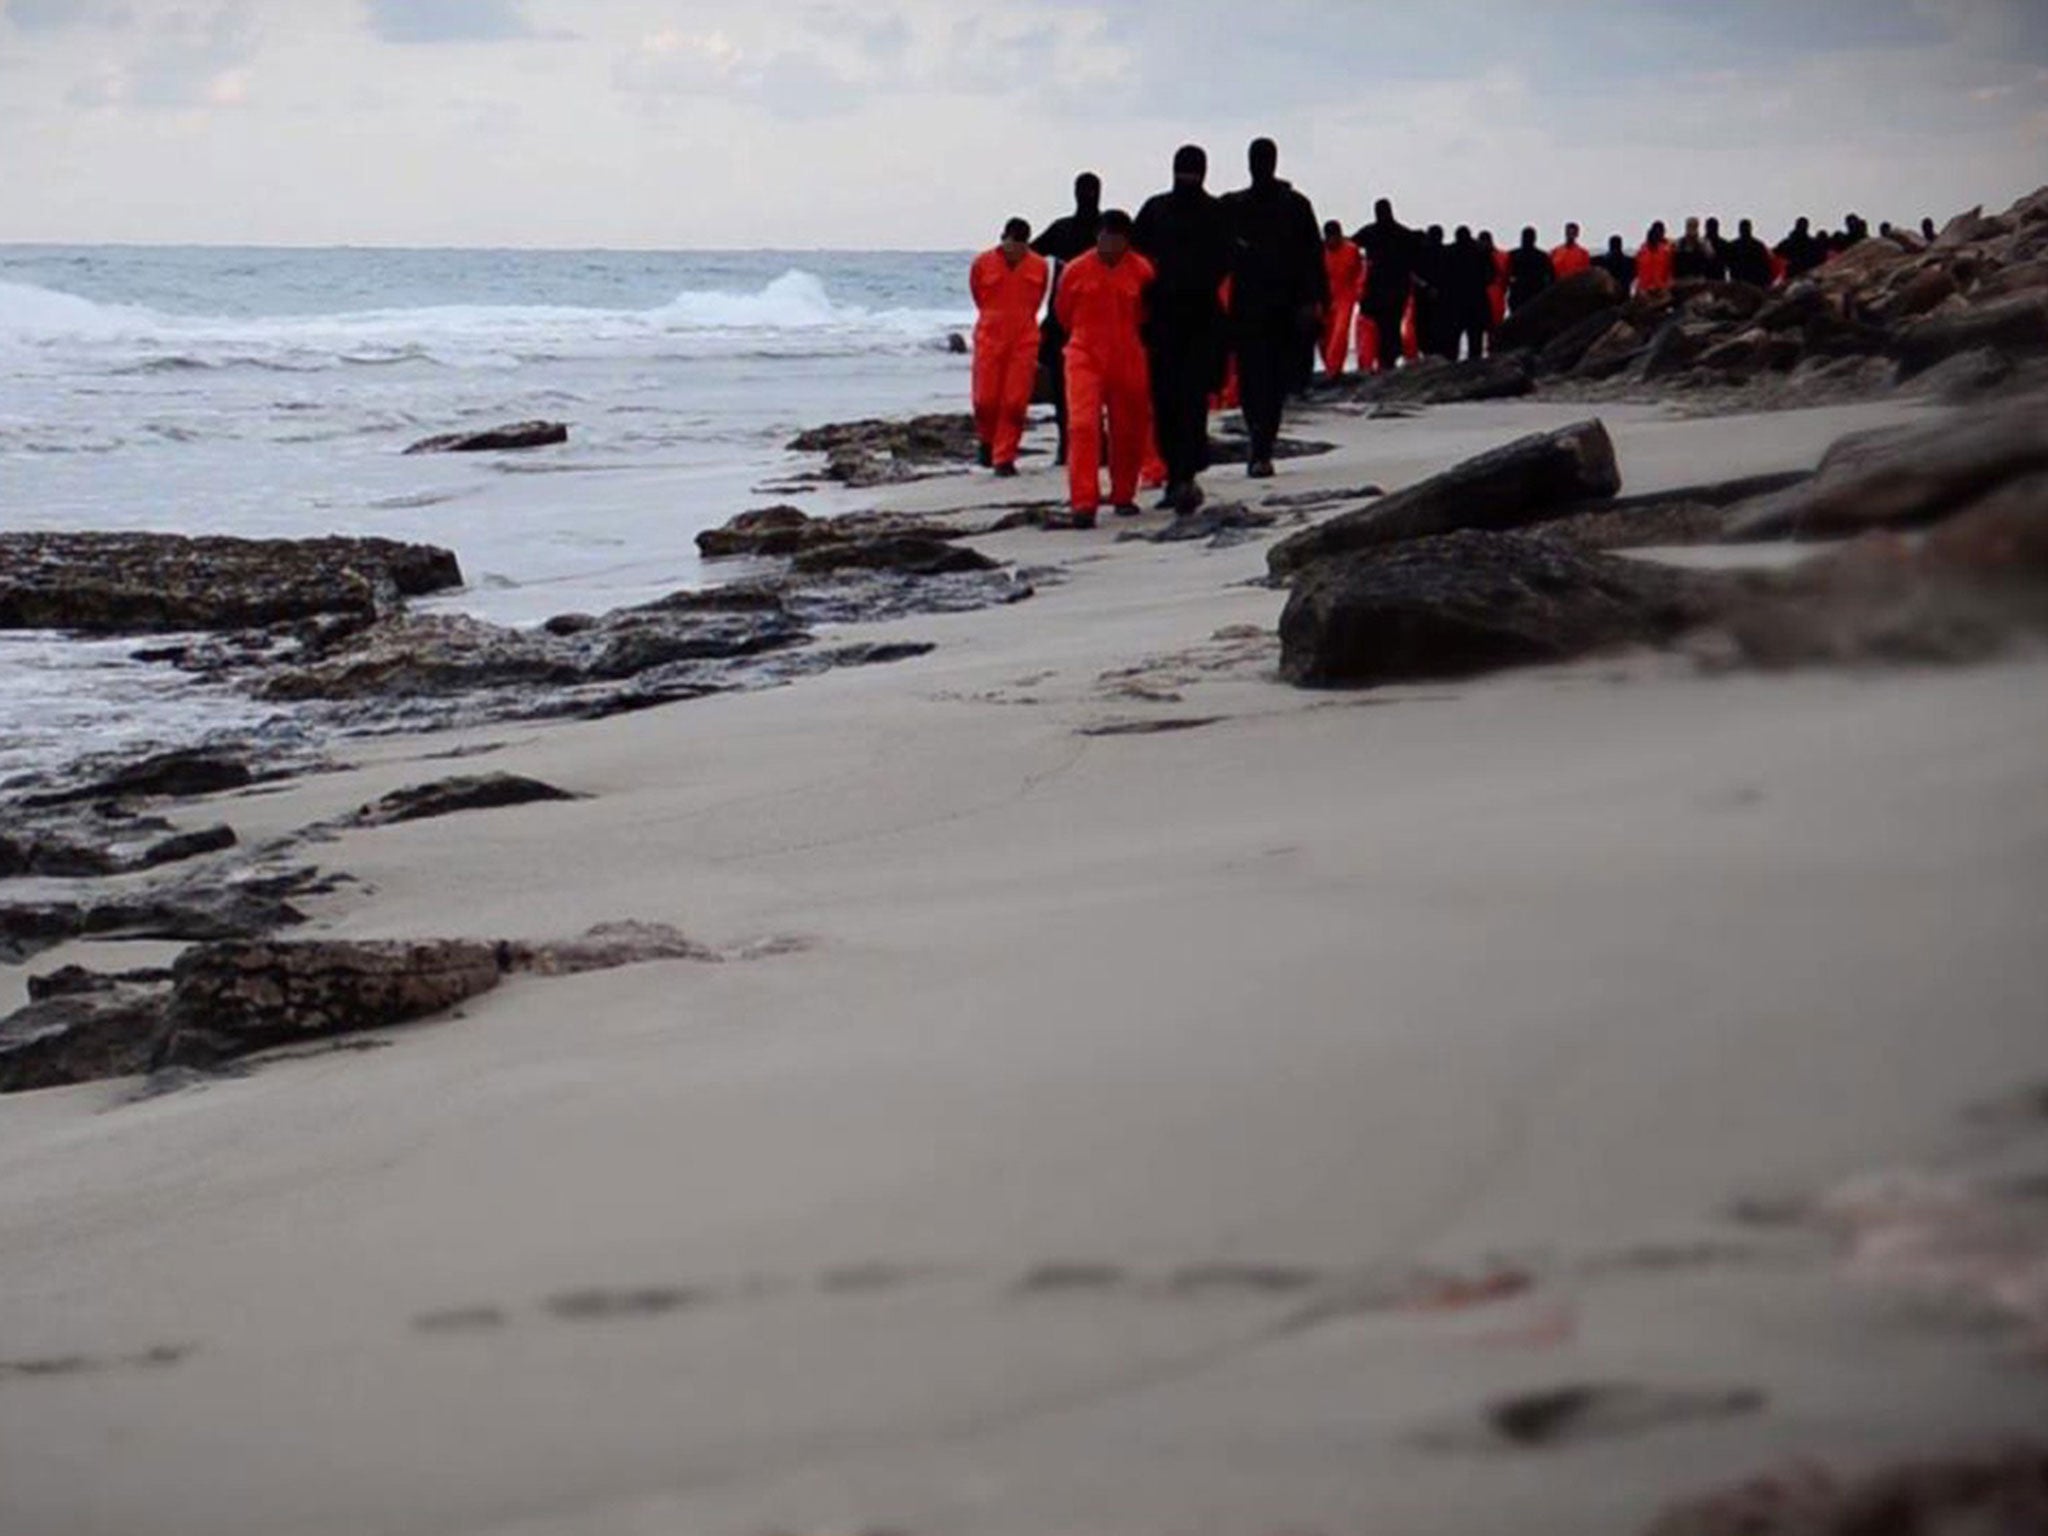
(1585, 1411)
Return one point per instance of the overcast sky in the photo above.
(922, 123)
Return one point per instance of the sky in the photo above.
(923, 124)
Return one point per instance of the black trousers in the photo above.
(1268, 351)
(1052, 359)
(1387, 312)
(1185, 353)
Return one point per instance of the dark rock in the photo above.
(915, 554)
(1903, 477)
(1673, 349)
(161, 776)
(82, 1034)
(871, 453)
(448, 797)
(779, 530)
(1568, 350)
(140, 583)
(235, 999)
(2016, 326)
(1693, 514)
(1311, 500)
(192, 908)
(1527, 481)
(86, 848)
(77, 981)
(1431, 381)
(1557, 309)
(519, 434)
(1230, 445)
(1722, 303)
(1472, 602)
(1997, 1492)
(1616, 347)
(607, 947)
(1221, 524)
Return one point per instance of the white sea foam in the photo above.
(793, 316)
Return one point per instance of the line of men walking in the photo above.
(1153, 319)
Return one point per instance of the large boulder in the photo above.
(1557, 309)
(518, 434)
(1471, 602)
(915, 554)
(2017, 325)
(234, 999)
(1528, 481)
(144, 583)
(1894, 478)
(159, 775)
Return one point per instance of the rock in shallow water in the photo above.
(154, 583)
(518, 434)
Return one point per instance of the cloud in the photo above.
(786, 82)
(56, 15)
(183, 59)
(448, 21)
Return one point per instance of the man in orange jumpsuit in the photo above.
(1345, 265)
(1571, 258)
(1009, 285)
(1654, 262)
(1101, 306)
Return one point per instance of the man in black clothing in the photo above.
(1390, 252)
(1063, 240)
(1435, 322)
(1717, 252)
(1616, 262)
(1530, 271)
(1801, 251)
(1186, 236)
(1748, 260)
(1468, 271)
(1279, 289)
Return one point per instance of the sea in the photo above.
(271, 393)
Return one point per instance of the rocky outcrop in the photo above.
(87, 1029)
(1886, 312)
(1527, 481)
(912, 553)
(1432, 381)
(862, 454)
(2002, 1491)
(1903, 477)
(1472, 602)
(1557, 310)
(224, 1001)
(160, 775)
(193, 907)
(449, 797)
(518, 434)
(151, 583)
(87, 847)
(1693, 514)
(231, 1000)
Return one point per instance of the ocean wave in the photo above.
(793, 317)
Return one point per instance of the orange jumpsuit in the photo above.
(1653, 267)
(1100, 308)
(1570, 261)
(1497, 290)
(1411, 341)
(1007, 299)
(1345, 267)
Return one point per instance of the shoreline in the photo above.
(1136, 1096)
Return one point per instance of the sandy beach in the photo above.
(1139, 1097)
